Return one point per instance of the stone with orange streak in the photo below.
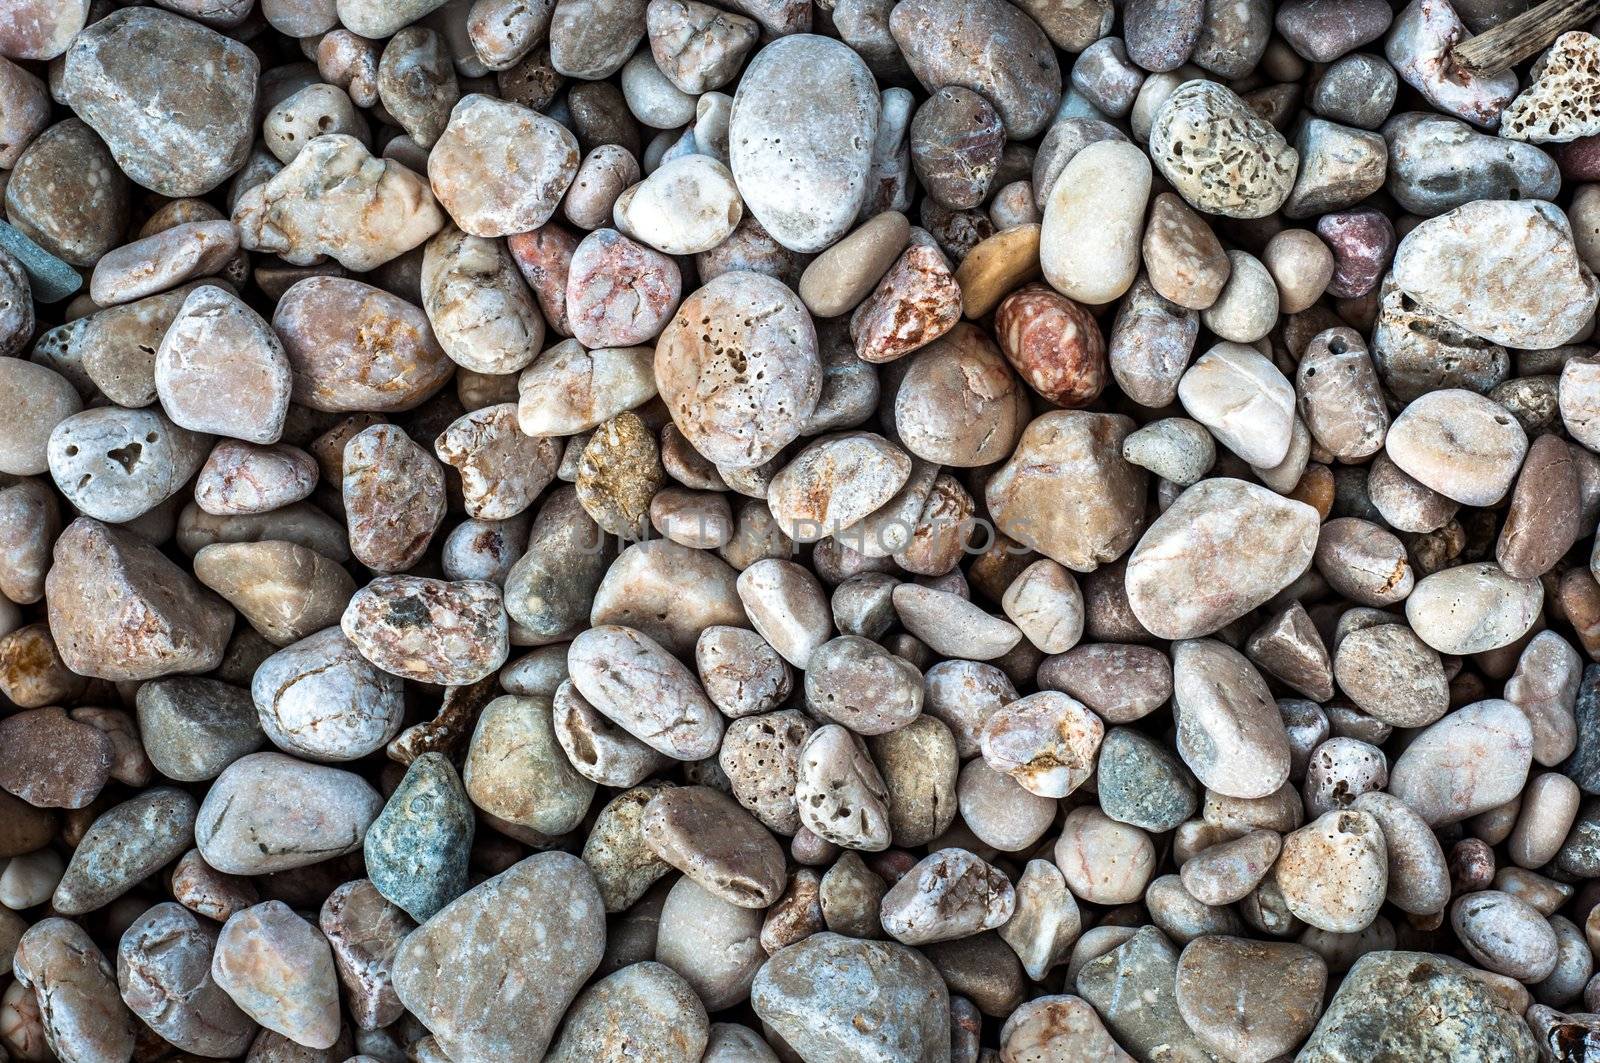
(354, 347)
(915, 303)
(544, 257)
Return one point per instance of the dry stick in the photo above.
(1514, 40)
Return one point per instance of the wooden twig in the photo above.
(1515, 39)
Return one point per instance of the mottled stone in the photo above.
(131, 76)
(120, 610)
(1413, 1005)
(489, 190)
(1471, 761)
(279, 970)
(833, 997)
(74, 989)
(492, 974)
(353, 347)
(1231, 162)
(416, 850)
(164, 967)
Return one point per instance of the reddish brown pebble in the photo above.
(1054, 343)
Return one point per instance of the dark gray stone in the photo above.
(192, 728)
(1583, 767)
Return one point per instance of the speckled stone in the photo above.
(416, 850)
(131, 76)
(833, 997)
(125, 846)
(492, 974)
(1414, 1005)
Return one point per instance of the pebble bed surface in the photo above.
(837, 531)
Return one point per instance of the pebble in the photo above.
(832, 996)
(1067, 492)
(712, 374)
(123, 847)
(40, 399)
(1429, 441)
(1202, 540)
(688, 205)
(415, 851)
(353, 347)
(164, 967)
(656, 699)
(803, 178)
(643, 1006)
(1519, 253)
(1438, 163)
(1025, 94)
(1418, 48)
(1505, 934)
(377, 211)
(1243, 399)
(116, 464)
(1133, 987)
(193, 140)
(262, 835)
(485, 190)
(703, 833)
(1473, 608)
(481, 312)
(120, 610)
(1184, 259)
(840, 795)
(1474, 759)
(279, 970)
(1089, 244)
(1464, 1014)
(1248, 1000)
(915, 303)
(1230, 733)
(193, 728)
(319, 698)
(74, 989)
(715, 946)
(1232, 163)
(479, 999)
(950, 894)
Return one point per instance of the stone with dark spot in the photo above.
(1413, 1005)
(245, 827)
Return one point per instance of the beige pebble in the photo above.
(1105, 862)
(1244, 400)
(1334, 871)
(1460, 444)
(1473, 760)
(1093, 219)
